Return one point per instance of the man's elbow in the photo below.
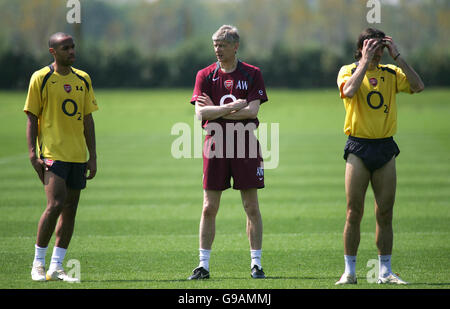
(202, 115)
(198, 115)
(253, 114)
(253, 109)
(198, 112)
(348, 92)
(419, 88)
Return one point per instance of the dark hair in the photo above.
(369, 33)
(55, 39)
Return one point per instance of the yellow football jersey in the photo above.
(60, 102)
(372, 111)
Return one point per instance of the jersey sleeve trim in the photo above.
(245, 73)
(344, 75)
(213, 73)
(356, 66)
(82, 78)
(47, 76)
(383, 68)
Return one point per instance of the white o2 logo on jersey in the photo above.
(222, 99)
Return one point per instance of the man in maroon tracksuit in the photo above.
(227, 97)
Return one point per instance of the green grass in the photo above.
(137, 223)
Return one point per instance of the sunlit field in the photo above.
(137, 221)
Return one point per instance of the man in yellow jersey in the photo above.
(60, 133)
(369, 90)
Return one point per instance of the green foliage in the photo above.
(141, 43)
(127, 67)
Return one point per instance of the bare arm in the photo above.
(248, 112)
(414, 79)
(206, 110)
(89, 135)
(354, 83)
(32, 132)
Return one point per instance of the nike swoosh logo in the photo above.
(214, 79)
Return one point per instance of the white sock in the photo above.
(57, 257)
(204, 256)
(39, 254)
(256, 258)
(350, 264)
(385, 265)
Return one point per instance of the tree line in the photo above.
(128, 68)
(141, 43)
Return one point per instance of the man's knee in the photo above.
(54, 207)
(72, 199)
(384, 216)
(210, 209)
(251, 208)
(354, 213)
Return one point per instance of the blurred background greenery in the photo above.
(151, 43)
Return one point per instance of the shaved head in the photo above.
(62, 48)
(57, 38)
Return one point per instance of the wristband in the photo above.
(395, 58)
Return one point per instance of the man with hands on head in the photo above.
(368, 90)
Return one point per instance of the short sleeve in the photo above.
(343, 76)
(200, 86)
(257, 90)
(33, 103)
(402, 82)
(90, 100)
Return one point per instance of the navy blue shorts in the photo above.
(375, 153)
(73, 173)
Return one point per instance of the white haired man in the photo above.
(229, 92)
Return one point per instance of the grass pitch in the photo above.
(137, 222)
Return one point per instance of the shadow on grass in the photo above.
(213, 279)
(134, 280)
(417, 285)
(430, 283)
(320, 278)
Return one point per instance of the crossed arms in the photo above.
(237, 110)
